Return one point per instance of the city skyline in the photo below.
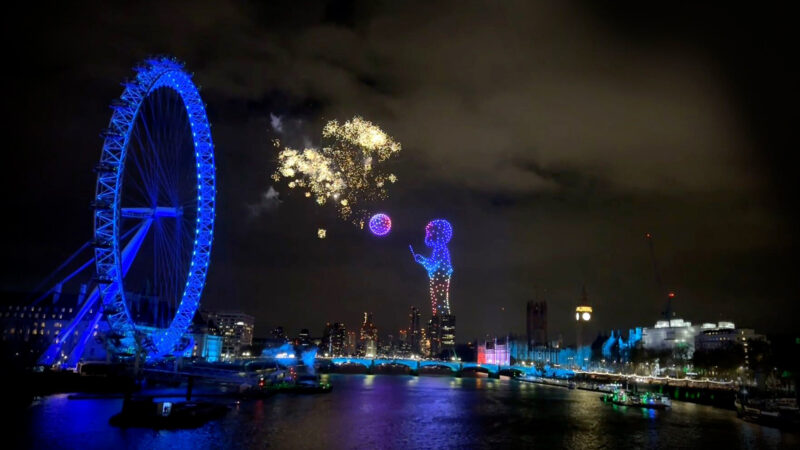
(211, 206)
(649, 137)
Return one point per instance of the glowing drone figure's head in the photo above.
(438, 232)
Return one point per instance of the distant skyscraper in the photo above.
(537, 323)
(414, 331)
(434, 338)
(368, 340)
(447, 330)
(388, 345)
(339, 338)
(351, 345)
(304, 338)
(334, 339)
(441, 334)
(402, 340)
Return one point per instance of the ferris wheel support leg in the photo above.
(88, 332)
(133, 246)
(53, 353)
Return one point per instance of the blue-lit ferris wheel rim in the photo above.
(155, 74)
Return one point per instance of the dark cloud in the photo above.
(551, 136)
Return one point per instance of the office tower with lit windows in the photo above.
(414, 331)
(368, 339)
(236, 329)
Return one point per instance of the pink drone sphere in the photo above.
(380, 224)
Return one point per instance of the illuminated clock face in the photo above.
(586, 316)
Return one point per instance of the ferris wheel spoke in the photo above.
(135, 181)
(170, 257)
(174, 138)
(145, 168)
(172, 152)
(163, 259)
(158, 177)
(158, 274)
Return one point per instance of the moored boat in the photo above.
(774, 412)
(644, 400)
(146, 413)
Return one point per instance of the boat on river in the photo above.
(775, 412)
(147, 413)
(308, 383)
(644, 399)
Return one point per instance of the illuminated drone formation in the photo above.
(437, 234)
(380, 224)
(347, 169)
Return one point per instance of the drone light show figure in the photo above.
(437, 234)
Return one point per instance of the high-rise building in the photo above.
(434, 339)
(368, 339)
(303, 338)
(236, 329)
(414, 331)
(352, 343)
(447, 330)
(536, 324)
(441, 334)
(402, 341)
(334, 339)
(388, 345)
(326, 347)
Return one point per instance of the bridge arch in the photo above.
(411, 364)
(453, 366)
(492, 369)
(362, 361)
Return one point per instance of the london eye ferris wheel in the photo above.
(153, 215)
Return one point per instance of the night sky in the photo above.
(551, 136)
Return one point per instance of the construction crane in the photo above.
(657, 271)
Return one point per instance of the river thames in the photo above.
(384, 411)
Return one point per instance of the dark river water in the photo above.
(385, 411)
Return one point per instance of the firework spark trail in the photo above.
(347, 169)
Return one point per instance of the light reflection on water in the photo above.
(376, 411)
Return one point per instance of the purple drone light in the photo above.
(380, 224)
